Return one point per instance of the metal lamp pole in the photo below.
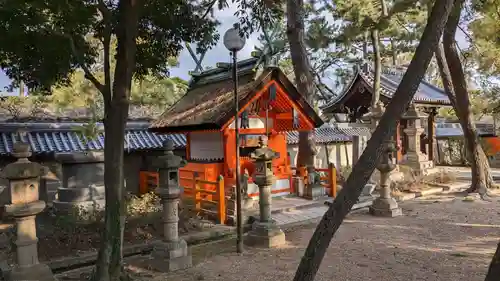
(234, 43)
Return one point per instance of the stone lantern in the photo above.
(24, 180)
(414, 158)
(385, 205)
(172, 252)
(374, 115)
(265, 232)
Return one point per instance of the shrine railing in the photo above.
(328, 178)
(205, 198)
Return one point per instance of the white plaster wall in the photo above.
(340, 154)
(256, 123)
(205, 146)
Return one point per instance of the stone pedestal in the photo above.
(366, 194)
(82, 183)
(265, 232)
(314, 191)
(172, 252)
(24, 178)
(414, 158)
(385, 205)
(248, 205)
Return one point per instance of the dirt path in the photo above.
(447, 240)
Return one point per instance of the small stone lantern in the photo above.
(414, 158)
(24, 180)
(265, 232)
(172, 253)
(385, 205)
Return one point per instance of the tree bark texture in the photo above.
(494, 268)
(378, 67)
(303, 75)
(365, 46)
(394, 52)
(365, 166)
(109, 263)
(480, 170)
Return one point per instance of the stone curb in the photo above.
(300, 207)
(88, 259)
(436, 189)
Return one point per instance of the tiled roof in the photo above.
(321, 135)
(389, 81)
(448, 130)
(63, 137)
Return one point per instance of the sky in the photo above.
(217, 54)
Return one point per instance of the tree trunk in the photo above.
(378, 67)
(303, 76)
(394, 52)
(494, 269)
(365, 46)
(365, 166)
(109, 263)
(479, 162)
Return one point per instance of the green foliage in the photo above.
(485, 28)
(44, 42)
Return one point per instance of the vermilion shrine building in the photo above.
(269, 104)
(355, 103)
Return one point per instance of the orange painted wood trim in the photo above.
(221, 197)
(296, 107)
(332, 174)
(256, 97)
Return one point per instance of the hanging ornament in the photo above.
(272, 93)
(295, 118)
(245, 122)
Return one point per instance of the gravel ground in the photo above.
(436, 239)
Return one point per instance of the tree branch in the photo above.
(81, 62)
(106, 15)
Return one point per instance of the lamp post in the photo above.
(234, 42)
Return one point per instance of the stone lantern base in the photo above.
(171, 256)
(265, 235)
(314, 192)
(40, 272)
(385, 207)
(418, 162)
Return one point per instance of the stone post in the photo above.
(385, 205)
(265, 232)
(172, 252)
(414, 158)
(24, 179)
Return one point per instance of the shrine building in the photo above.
(269, 105)
(355, 102)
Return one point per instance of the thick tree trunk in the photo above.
(378, 67)
(365, 166)
(303, 76)
(494, 269)
(479, 162)
(109, 263)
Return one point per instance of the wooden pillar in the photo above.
(431, 136)
(188, 146)
(399, 154)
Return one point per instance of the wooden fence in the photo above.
(206, 198)
(328, 179)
